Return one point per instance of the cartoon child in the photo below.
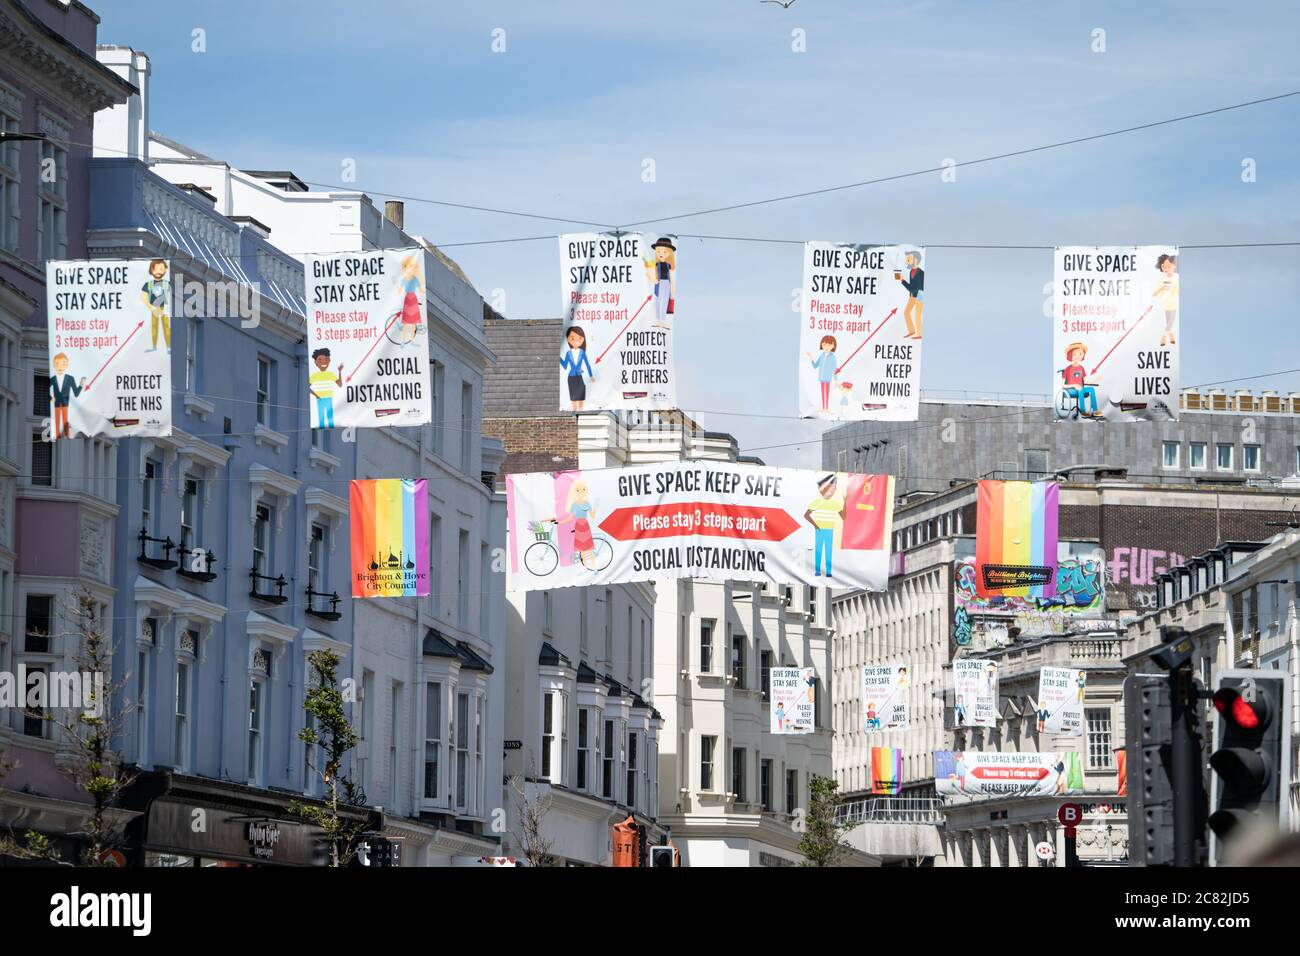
(154, 295)
(873, 719)
(1167, 295)
(321, 383)
(579, 509)
(1074, 377)
(960, 769)
(903, 680)
(915, 286)
(409, 282)
(63, 388)
(826, 365)
(575, 360)
(780, 716)
(845, 389)
(825, 514)
(662, 273)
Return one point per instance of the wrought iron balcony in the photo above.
(199, 566)
(279, 597)
(332, 614)
(165, 563)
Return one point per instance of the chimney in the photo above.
(395, 212)
(123, 130)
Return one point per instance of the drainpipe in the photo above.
(231, 444)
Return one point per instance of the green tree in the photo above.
(821, 844)
(329, 737)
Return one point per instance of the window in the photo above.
(706, 645)
(40, 611)
(547, 614)
(255, 706)
(264, 377)
(435, 565)
(1036, 463)
(608, 753)
(1223, 457)
(432, 738)
(484, 590)
(551, 718)
(738, 773)
(609, 622)
(190, 515)
(363, 723)
(53, 222)
(261, 537)
(645, 661)
(42, 461)
(738, 659)
(394, 731)
(462, 581)
(41, 394)
(791, 791)
(316, 559)
(765, 784)
(628, 659)
(436, 376)
(10, 158)
(1169, 454)
(462, 750)
(1099, 738)
(480, 725)
(707, 745)
(193, 331)
(1250, 457)
(584, 745)
(181, 746)
(308, 756)
(466, 427)
(765, 674)
(34, 722)
(148, 499)
(1196, 455)
(632, 740)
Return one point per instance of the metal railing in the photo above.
(889, 810)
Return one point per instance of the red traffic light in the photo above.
(1245, 714)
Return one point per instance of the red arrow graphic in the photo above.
(375, 346)
(866, 340)
(113, 356)
(737, 522)
(624, 328)
(1121, 339)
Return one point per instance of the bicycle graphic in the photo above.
(542, 558)
(393, 329)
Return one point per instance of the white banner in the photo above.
(620, 305)
(368, 339)
(793, 702)
(110, 341)
(1115, 333)
(860, 331)
(884, 697)
(1060, 701)
(1022, 774)
(975, 689)
(699, 519)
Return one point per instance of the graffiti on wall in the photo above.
(1080, 593)
(1134, 570)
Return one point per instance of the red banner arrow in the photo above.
(623, 329)
(866, 340)
(113, 356)
(711, 519)
(1121, 339)
(375, 346)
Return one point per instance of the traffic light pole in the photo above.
(1184, 757)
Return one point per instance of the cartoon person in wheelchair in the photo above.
(1077, 391)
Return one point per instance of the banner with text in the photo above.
(975, 690)
(699, 519)
(368, 339)
(884, 697)
(1115, 333)
(390, 537)
(860, 331)
(110, 368)
(620, 305)
(1022, 774)
(1016, 538)
(1060, 701)
(793, 700)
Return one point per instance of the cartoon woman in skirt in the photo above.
(410, 283)
(579, 510)
(574, 360)
(662, 273)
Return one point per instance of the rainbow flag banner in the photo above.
(390, 537)
(1016, 539)
(886, 770)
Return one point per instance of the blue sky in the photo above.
(560, 123)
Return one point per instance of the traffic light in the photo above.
(663, 856)
(1252, 750)
(1148, 718)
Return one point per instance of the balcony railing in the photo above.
(888, 810)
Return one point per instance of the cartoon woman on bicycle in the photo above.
(579, 510)
(410, 282)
